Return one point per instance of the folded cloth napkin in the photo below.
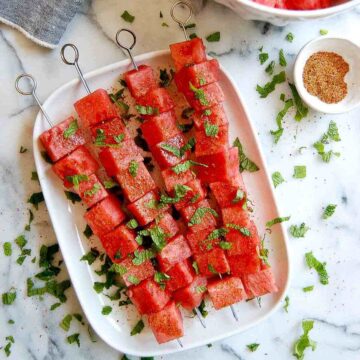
(43, 21)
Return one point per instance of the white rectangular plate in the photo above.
(68, 223)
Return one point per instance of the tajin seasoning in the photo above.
(324, 76)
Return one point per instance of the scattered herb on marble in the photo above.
(214, 37)
(282, 60)
(269, 87)
(127, 16)
(263, 57)
(277, 220)
(323, 32)
(106, 310)
(277, 178)
(192, 36)
(331, 134)
(290, 37)
(55, 306)
(7, 248)
(164, 24)
(287, 303)
(301, 109)
(22, 149)
(270, 68)
(299, 231)
(304, 341)
(34, 176)
(66, 322)
(74, 338)
(308, 288)
(138, 328)
(245, 164)
(253, 347)
(279, 118)
(31, 218)
(7, 349)
(319, 267)
(35, 199)
(329, 211)
(299, 172)
(9, 297)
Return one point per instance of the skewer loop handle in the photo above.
(129, 47)
(182, 23)
(32, 81)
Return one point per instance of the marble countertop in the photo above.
(335, 307)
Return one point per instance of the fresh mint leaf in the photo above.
(214, 37)
(106, 310)
(329, 211)
(245, 164)
(253, 347)
(298, 231)
(304, 341)
(299, 172)
(138, 328)
(35, 199)
(269, 87)
(277, 178)
(301, 110)
(128, 17)
(290, 37)
(200, 213)
(9, 297)
(319, 267)
(277, 221)
(282, 60)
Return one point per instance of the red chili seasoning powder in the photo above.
(323, 76)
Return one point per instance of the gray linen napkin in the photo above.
(43, 21)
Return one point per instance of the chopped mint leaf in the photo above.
(196, 267)
(133, 168)
(7, 248)
(31, 218)
(238, 197)
(287, 303)
(66, 322)
(91, 256)
(290, 37)
(263, 57)
(243, 230)
(245, 164)
(192, 36)
(319, 267)
(138, 328)
(71, 129)
(109, 184)
(308, 288)
(35, 199)
(77, 179)
(73, 197)
(140, 256)
(119, 138)
(46, 157)
(225, 245)
(298, 231)
(324, 32)
(88, 231)
(55, 306)
(74, 338)
(190, 26)
(299, 172)
(93, 191)
(127, 16)
(202, 309)
(9, 297)
(184, 166)
(270, 68)
(333, 132)
(187, 113)
(282, 60)
(106, 310)
(280, 116)
(199, 214)
(132, 224)
(98, 287)
(165, 77)
(217, 233)
(146, 110)
(304, 341)
(34, 176)
(277, 134)
(212, 269)
(161, 277)
(253, 347)
(277, 178)
(269, 87)
(200, 289)
(119, 269)
(301, 109)
(164, 24)
(23, 149)
(210, 130)
(329, 211)
(214, 37)
(199, 94)
(277, 221)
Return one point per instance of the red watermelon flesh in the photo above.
(207, 144)
(167, 324)
(160, 128)
(190, 297)
(95, 108)
(225, 292)
(307, 4)
(105, 216)
(146, 209)
(148, 296)
(165, 157)
(181, 275)
(116, 159)
(167, 223)
(58, 143)
(212, 263)
(175, 251)
(199, 75)
(134, 187)
(213, 116)
(245, 264)
(119, 243)
(110, 132)
(158, 99)
(171, 178)
(187, 53)
(198, 240)
(91, 190)
(140, 81)
(259, 283)
(235, 215)
(132, 273)
(193, 196)
(79, 162)
(204, 97)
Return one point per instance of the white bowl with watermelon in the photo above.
(281, 12)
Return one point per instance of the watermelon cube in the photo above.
(175, 251)
(140, 81)
(116, 159)
(204, 97)
(192, 196)
(148, 296)
(308, 4)
(229, 193)
(190, 296)
(225, 292)
(133, 274)
(168, 225)
(91, 190)
(119, 243)
(160, 128)
(60, 140)
(244, 264)
(235, 215)
(135, 183)
(199, 75)
(147, 209)
(234, 164)
(111, 132)
(212, 263)
(167, 324)
(259, 283)
(105, 215)
(213, 116)
(159, 100)
(171, 178)
(217, 167)
(165, 157)
(207, 144)
(79, 162)
(198, 240)
(187, 53)
(181, 275)
(95, 108)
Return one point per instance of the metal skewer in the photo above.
(32, 92)
(182, 23)
(75, 63)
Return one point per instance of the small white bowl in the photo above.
(350, 53)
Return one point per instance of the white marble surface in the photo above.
(334, 307)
